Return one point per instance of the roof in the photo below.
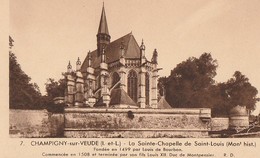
(113, 51)
(163, 104)
(103, 27)
(119, 96)
(100, 103)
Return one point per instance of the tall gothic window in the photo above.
(115, 79)
(147, 88)
(132, 85)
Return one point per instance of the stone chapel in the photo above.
(115, 75)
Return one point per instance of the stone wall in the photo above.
(128, 123)
(96, 123)
(218, 124)
(56, 125)
(35, 123)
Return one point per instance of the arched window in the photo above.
(115, 79)
(147, 88)
(132, 85)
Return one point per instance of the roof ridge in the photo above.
(121, 37)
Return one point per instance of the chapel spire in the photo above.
(103, 27)
(103, 37)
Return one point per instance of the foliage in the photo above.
(236, 91)
(22, 93)
(189, 83)
(55, 88)
(192, 85)
(241, 92)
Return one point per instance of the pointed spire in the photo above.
(142, 47)
(103, 37)
(155, 57)
(142, 51)
(122, 47)
(163, 91)
(78, 64)
(89, 59)
(11, 42)
(103, 27)
(69, 67)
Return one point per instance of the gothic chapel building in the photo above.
(115, 75)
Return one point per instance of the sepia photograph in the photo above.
(102, 70)
(134, 70)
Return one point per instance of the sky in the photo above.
(50, 33)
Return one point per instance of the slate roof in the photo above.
(100, 103)
(163, 104)
(113, 51)
(103, 27)
(117, 97)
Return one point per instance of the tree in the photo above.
(219, 100)
(189, 83)
(241, 92)
(22, 93)
(55, 88)
(236, 91)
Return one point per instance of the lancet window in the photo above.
(132, 85)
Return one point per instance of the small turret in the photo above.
(78, 64)
(103, 56)
(122, 48)
(69, 67)
(70, 86)
(103, 64)
(155, 57)
(122, 56)
(89, 59)
(142, 47)
(11, 42)
(142, 51)
(105, 91)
